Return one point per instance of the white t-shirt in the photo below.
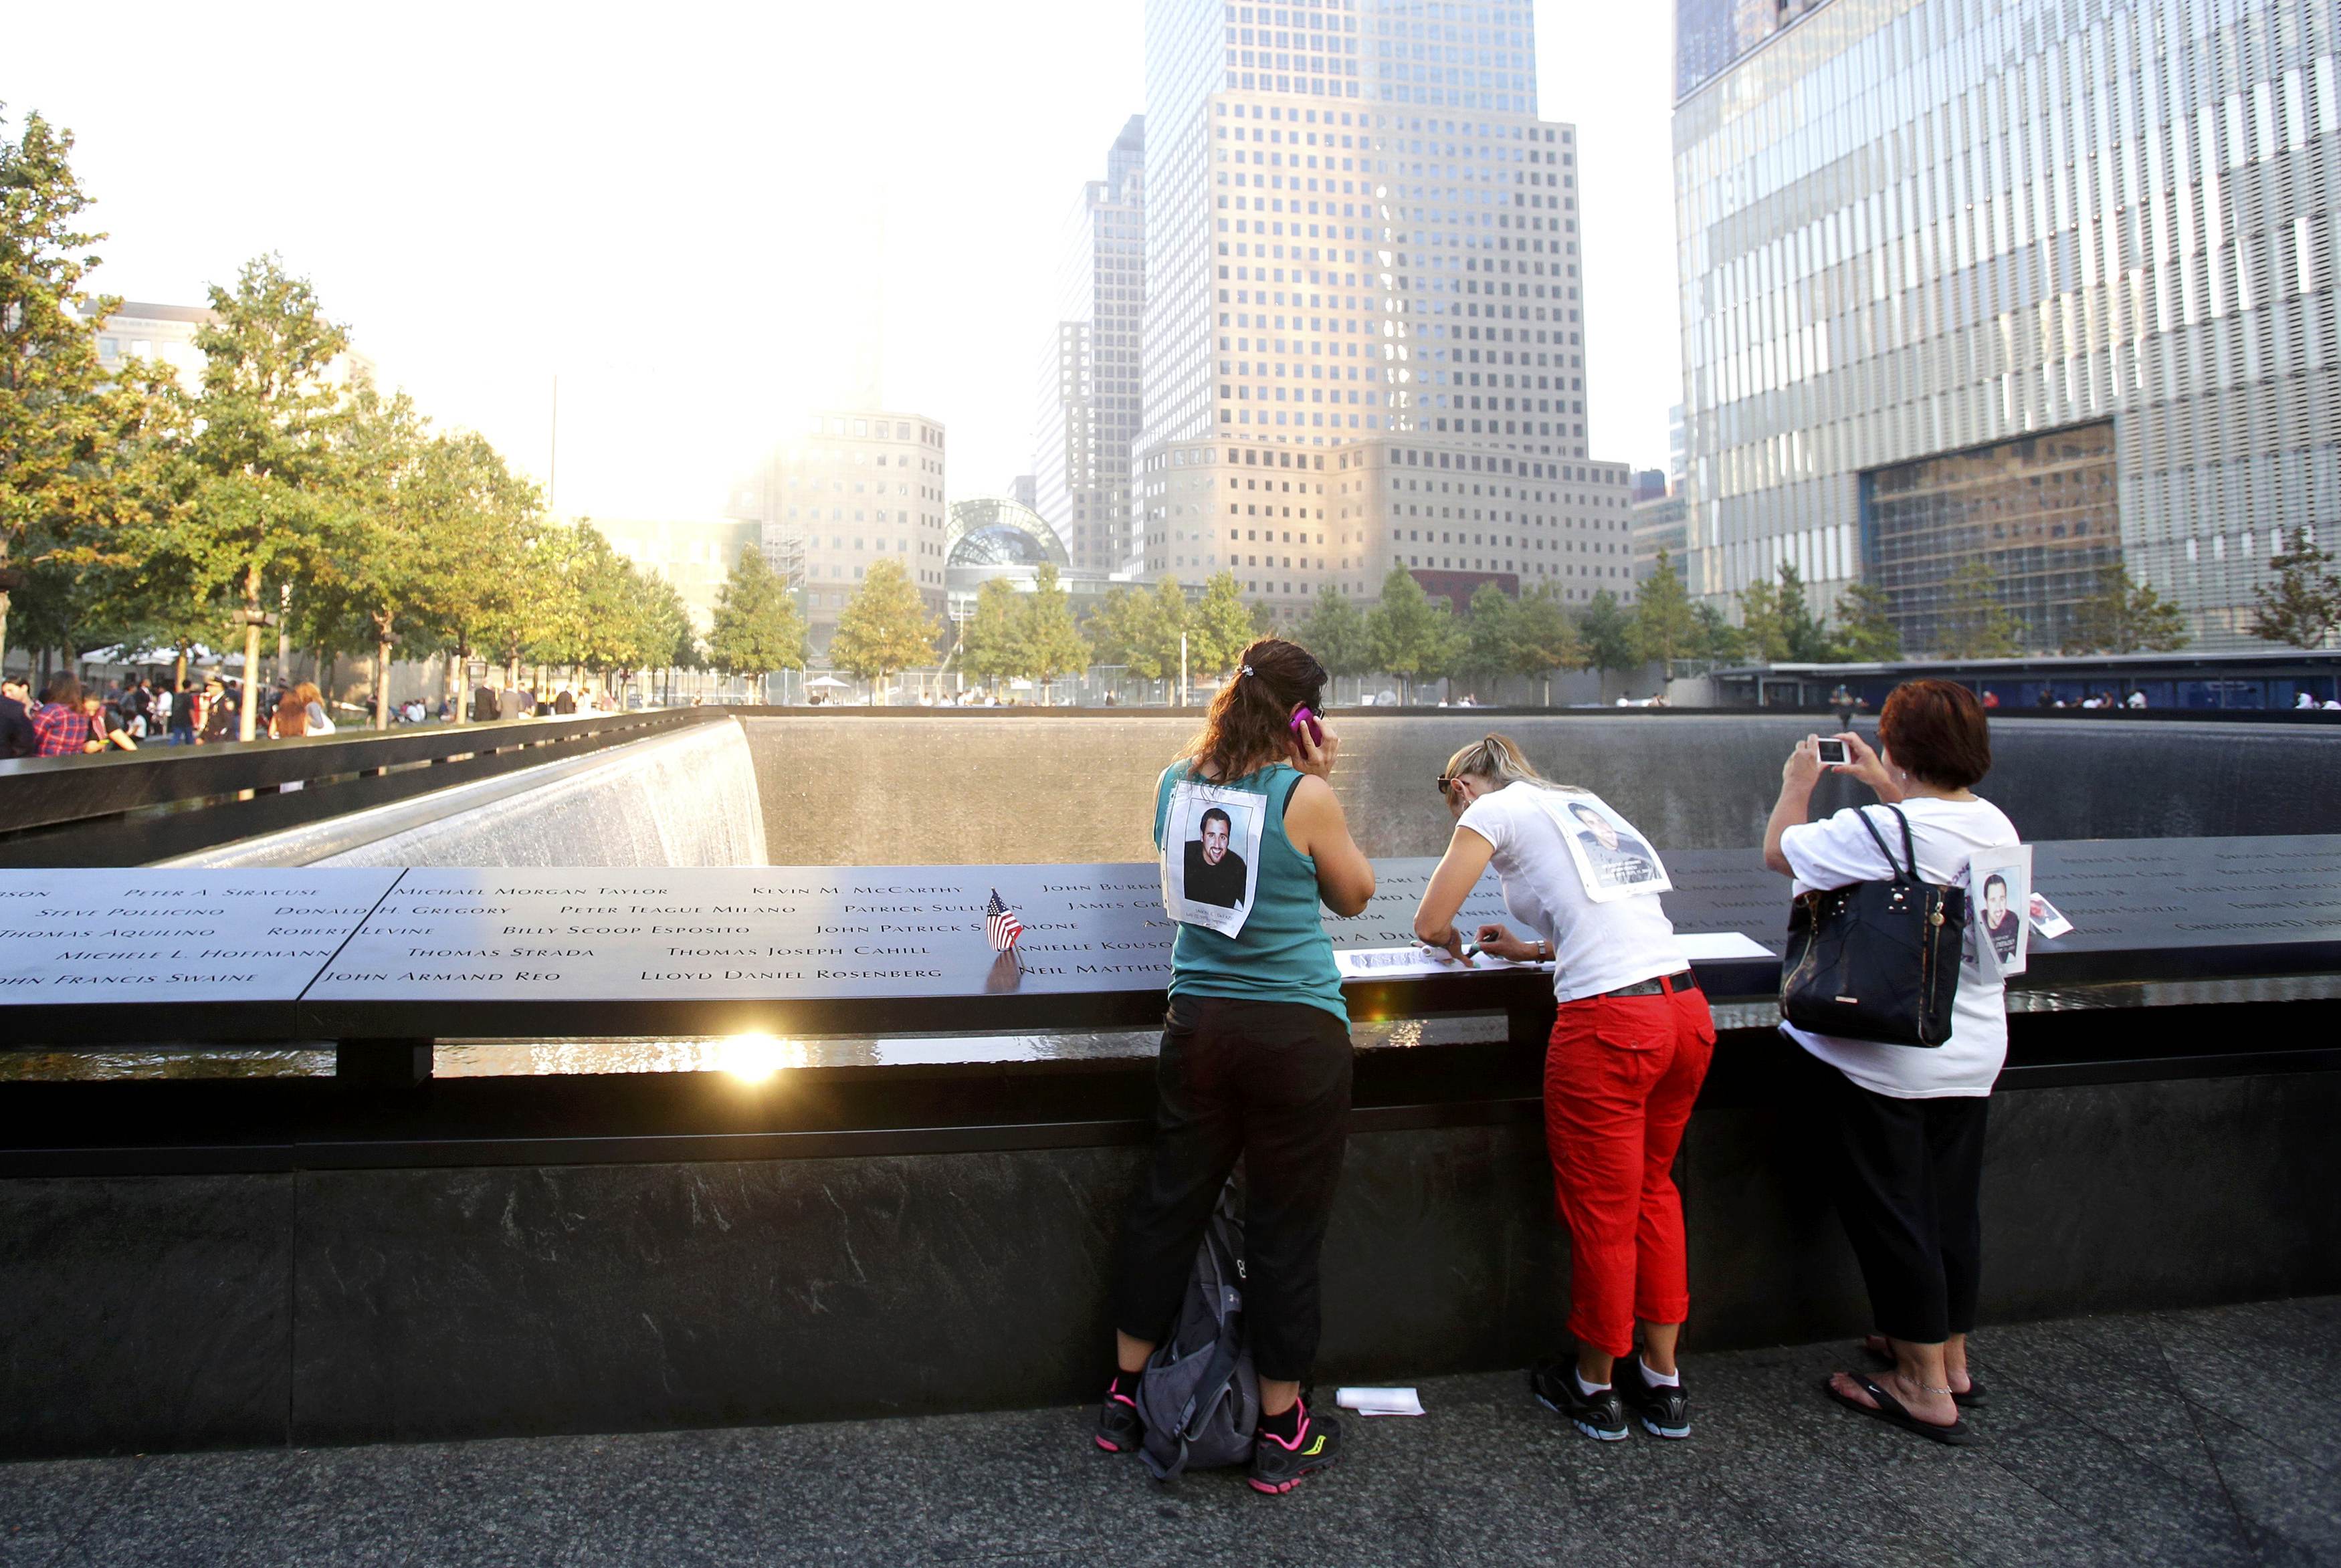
(1944, 834)
(1597, 948)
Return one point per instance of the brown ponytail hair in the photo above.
(1248, 722)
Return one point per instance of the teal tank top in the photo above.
(1282, 954)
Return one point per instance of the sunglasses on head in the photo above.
(1445, 782)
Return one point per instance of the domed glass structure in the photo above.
(993, 532)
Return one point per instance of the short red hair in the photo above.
(1937, 733)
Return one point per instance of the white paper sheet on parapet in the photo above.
(1414, 959)
(1379, 1401)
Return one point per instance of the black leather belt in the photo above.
(1665, 985)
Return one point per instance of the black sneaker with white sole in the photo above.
(1600, 1416)
(1663, 1409)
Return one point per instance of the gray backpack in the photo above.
(1199, 1395)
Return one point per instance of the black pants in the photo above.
(1267, 1081)
(1908, 1182)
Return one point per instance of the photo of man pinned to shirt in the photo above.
(1210, 854)
(1999, 885)
(1215, 873)
(1612, 859)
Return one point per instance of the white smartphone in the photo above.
(1834, 752)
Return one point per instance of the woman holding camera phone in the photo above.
(1630, 1046)
(1906, 1123)
(1256, 1057)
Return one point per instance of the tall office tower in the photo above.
(855, 488)
(1364, 274)
(1090, 386)
(2040, 286)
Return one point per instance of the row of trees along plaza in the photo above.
(138, 513)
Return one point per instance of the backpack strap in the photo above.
(1909, 848)
(1216, 1373)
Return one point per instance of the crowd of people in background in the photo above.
(67, 719)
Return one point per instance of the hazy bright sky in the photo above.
(673, 206)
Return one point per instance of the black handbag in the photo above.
(1876, 960)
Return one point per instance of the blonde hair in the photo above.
(1499, 759)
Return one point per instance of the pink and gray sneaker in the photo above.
(1278, 1466)
(1119, 1428)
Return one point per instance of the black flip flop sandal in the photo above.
(1975, 1394)
(1890, 1410)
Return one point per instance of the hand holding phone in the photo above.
(1305, 720)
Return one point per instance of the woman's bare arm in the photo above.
(1313, 820)
(1460, 871)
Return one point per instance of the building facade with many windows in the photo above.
(1363, 266)
(854, 488)
(2040, 285)
(1090, 384)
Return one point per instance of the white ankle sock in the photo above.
(1585, 1388)
(1661, 1379)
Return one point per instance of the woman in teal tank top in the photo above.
(1255, 1061)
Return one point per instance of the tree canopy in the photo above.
(1974, 623)
(1414, 637)
(2123, 615)
(756, 628)
(1665, 630)
(884, 628)
(2302, 607)
(1335, 631)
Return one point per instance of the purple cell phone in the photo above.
(1316, 731)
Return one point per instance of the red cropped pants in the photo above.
(1619, 1080)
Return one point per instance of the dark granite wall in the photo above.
(980, 791)
(147, 1313)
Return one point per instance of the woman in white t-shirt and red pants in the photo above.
(1630, 1046)
(1908, 1121)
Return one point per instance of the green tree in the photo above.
(663, 621)
(1490, 634)
(2124, 616)
(1335, 631)
(2302, 608)
(1663, 627)
(756, 628)
(1762, 633)
(1975, 624)
(269, 468)
(489, 528)
(1109, 625)
(1052, 644)
(884, 628)
(1866, 629)
(378, 560)
(1608, 634)
(64, 423)
(1716, 638)
(991, 643)
(1808, 639)
(1414, 637)
(1220, 627)
(1544, 638)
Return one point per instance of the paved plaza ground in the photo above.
(2187, 1438)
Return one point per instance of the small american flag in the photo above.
(1000, 924)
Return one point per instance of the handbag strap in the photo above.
(1909, 848)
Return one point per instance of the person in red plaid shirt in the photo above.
(61, 727)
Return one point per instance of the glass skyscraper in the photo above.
(1363, 273)
(2043, 284)
(1090, 386)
